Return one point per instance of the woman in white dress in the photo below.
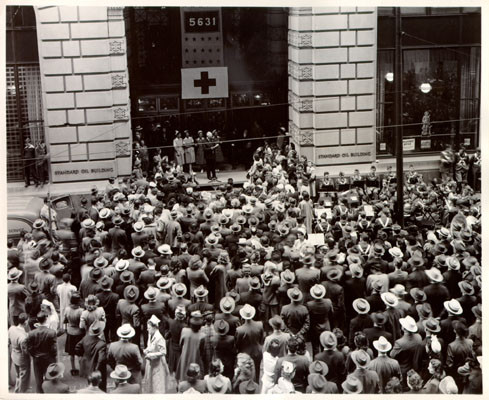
(156, 371)
(189, 151)
(178, 148)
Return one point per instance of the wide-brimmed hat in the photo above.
(45, 264)
(276, 322)
(96, 273)
(164, 283)
(334, 274)
(328, 340)
(417, 294)
(248, 387)
(221, 327)
(38, 224)
(150, 293)
(104, 213)
(247, 312)
(14, 274)
(131, 293)
(399, 290)
(378, 249)
(227, 305)
(396, 252)
(154, 320)
(235, 227)
(389, 299)
(424, 310)
(352, 385)
(409, 324)
(416, 261)
(318, 367)
(434, 275)
(294, 294)
(216, 384)
(165, 249)
(54, 371)
(382, 344)
(120, 372)
(88, 223)
(379, 318)
(317, 291)
(431, 325)
(477, 311)
(126, 331)
(356, 270)
(100, 262)
(121, 265)
(361, 306)
(453, 263)
(138, 252)
(201, 291)
(443, 232)
(139, 226)
(211, 239)
(287, 276)
(317, 383)
(117, 220)
(126, 277)
(466, 288)
(179, 289)
(453, 306)
(448, 385)
(360, 358)
(440, 249)
(96, 328)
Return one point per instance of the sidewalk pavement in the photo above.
(17, 189)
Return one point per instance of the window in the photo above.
(440, 87)
(23, 94)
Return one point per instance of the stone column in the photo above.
(82, 55)
(332, 67)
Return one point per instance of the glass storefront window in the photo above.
(217, 103)
(440, 86)
(168, 103)
(240, 99)
(147, 104)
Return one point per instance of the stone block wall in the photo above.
(332, 71)
(85, 85)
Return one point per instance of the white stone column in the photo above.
(332, 67)
(84, 77)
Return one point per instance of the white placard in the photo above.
(204, 83)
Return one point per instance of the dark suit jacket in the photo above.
(118, 239)
(231, 319)
(436, 294)
(336, 363)
(41, 343)
(359, 323)
(128, 388)
(249, 338)
(108, 301)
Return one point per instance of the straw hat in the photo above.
(328, 340)
(247, 312)
(389, 299)
(126, 331)
(409, 324)
(227, 305)
(361, 306)
(352, 385)
(120, 372)
(453, 306)
(54, 371)
(434, 275)
(382, 345)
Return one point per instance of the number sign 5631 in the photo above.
(201, 21)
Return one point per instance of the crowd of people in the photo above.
(280, 286)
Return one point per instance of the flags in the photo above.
(204, 83)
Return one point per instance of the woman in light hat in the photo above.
(156, 371)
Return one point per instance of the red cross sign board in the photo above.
(204, 83)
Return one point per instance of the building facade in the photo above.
(83, 78)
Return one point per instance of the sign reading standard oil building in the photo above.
(345, 155)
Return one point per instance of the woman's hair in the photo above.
(216, 367)
(360, 340)
(393, 385)
(437, 367)
(414, 380)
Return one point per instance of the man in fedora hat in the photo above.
(307, 276)
(392, 314)
(179, 290)
(295, 315)
(117, 236)
(354, 287)
(352, 385)
(436, 291)
(417, 277)
(319, 384)
(377, 330)
(46, 280)
(16, 295)
(122, 377)
(136, 266)
(320, 314)
(93, 350)
(108, 301)
(227, 306)
(128, 312)
(385, 366)
(336, 293)
(225, 349)
(467, 300)
(41, 343)
(278, 335)
(407, 349)
(53, 376)
(126, 353)
(152, 307)
(455, 311)
(249, 336)
(332, 357)
(368, 377)
(200, 304)
(361, 321)
(90, 285)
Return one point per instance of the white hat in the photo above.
(409, 324)
(154, 320)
